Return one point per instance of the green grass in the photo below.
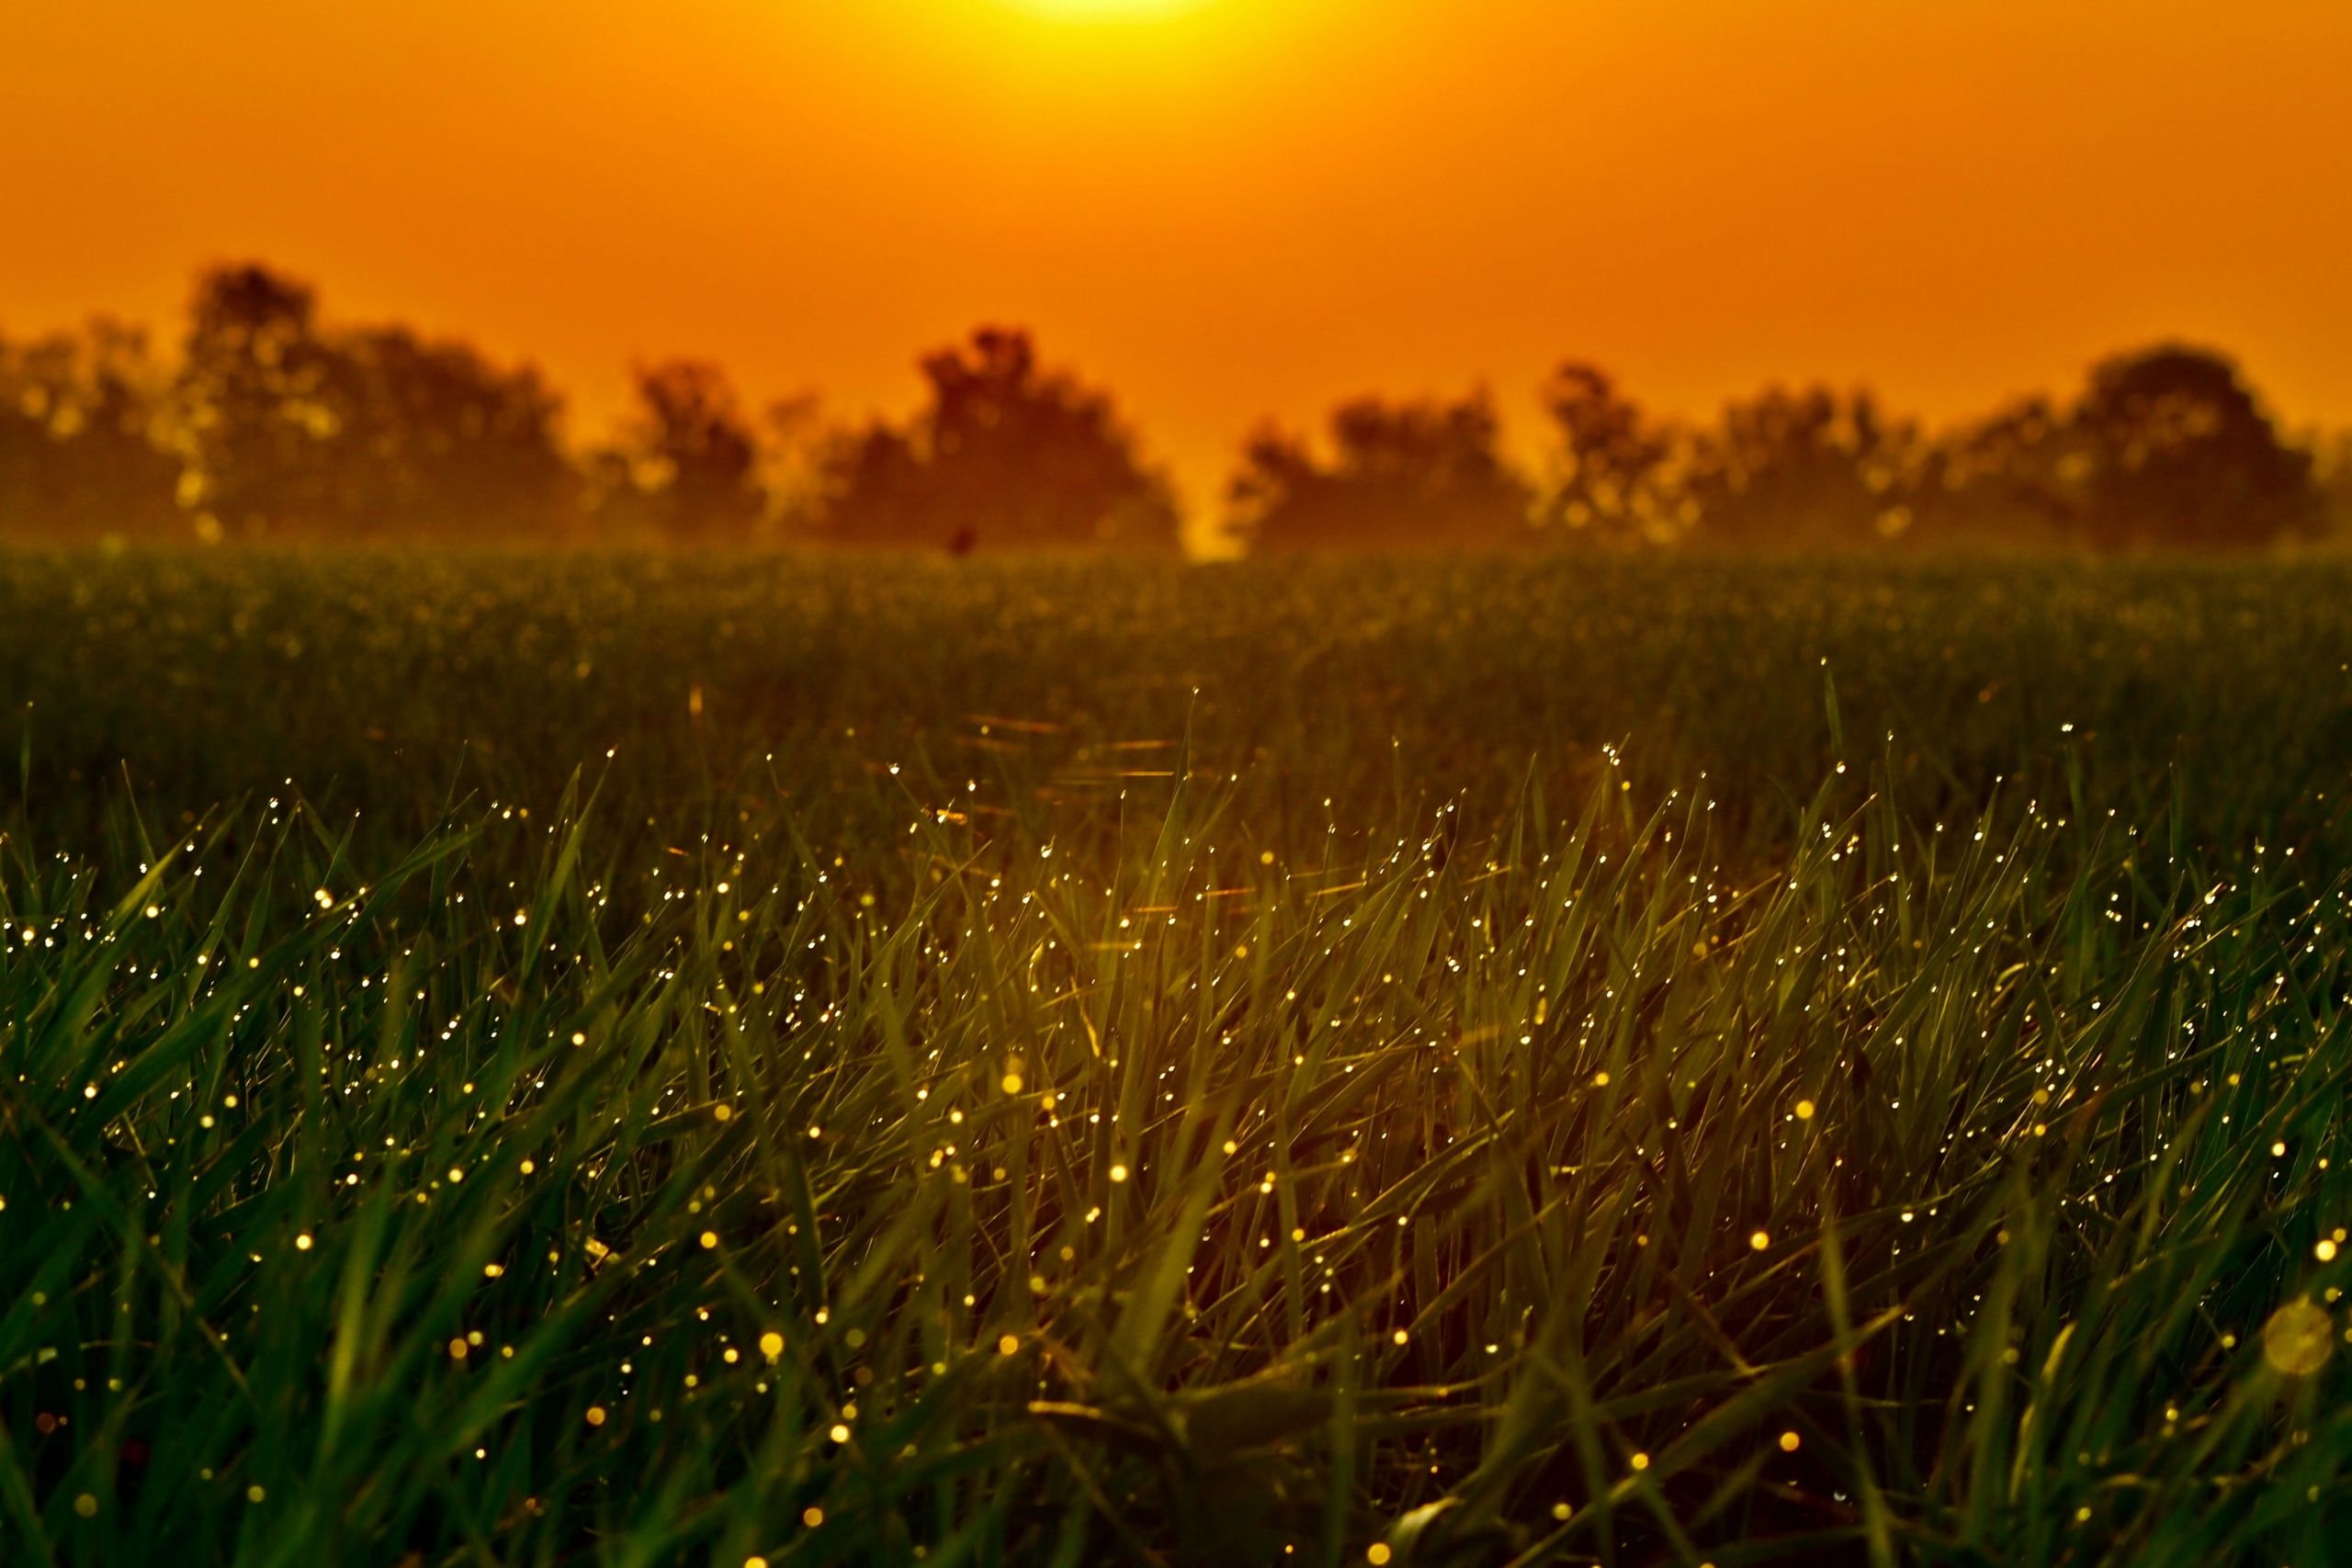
(1136, 1159)
(381, 682)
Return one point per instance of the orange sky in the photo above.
(1221, 208)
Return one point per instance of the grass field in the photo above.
(638, 1060)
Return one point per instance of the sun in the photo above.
(1105, 10)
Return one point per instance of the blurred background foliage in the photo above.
(273, 422)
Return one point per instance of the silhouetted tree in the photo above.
(292, 431)
(1801, 469)
(1622, 478)
(2179, 454)
(254, 392)
(688, 470)
(437, 443)
(83, 439)
(1404, 475)
(2332, 471)
(2013, 479)
(1004, 455)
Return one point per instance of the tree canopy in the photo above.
(294, 431)
(1003, 455)
(276, 423)
(686, 469)
(1404, 474)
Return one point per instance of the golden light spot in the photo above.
(1012, 1083)
(1118, 1173)
(578, 1038)
(1789, 1442)
(1377, 1553)
(1804, 1110)
(2325, 1250)
(1600, 1080)
(1760, 1241)
(528, 1166)
(596, 1415)
(839, 1433)
(1561, 1511)
(709, 1240)
(771, 1344)
(2295, 1340)
(1008, 1344)
(1641, 1461)
(255, 1494)
(493, 1271)
(721, 1112)
(87, 1506)
(2278, 1150)
(1401, 1337)
(755, 1563)
(457, 1349)
(813, 1517)
(302, 1242)
(1265, 857)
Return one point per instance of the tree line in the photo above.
(270, 423)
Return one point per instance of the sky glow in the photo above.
(1226, 209)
